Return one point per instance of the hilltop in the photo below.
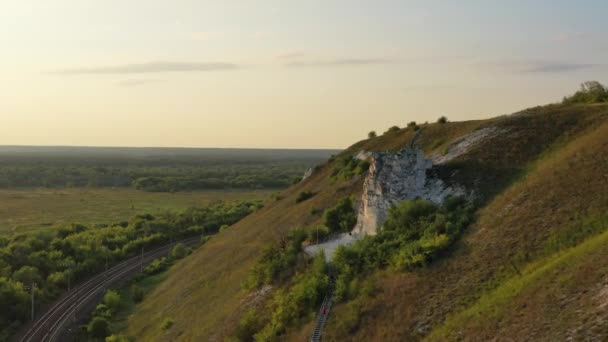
(530, 266)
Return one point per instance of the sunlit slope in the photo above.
(560, 191)
(539, 177)
(203, 294)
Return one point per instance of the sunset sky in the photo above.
(284, 73)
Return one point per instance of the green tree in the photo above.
(342, 217)
(442, 120)
(112, 300)
(137, 293)
(27, 275)
(179, 251)
(98, 327)
(371, 135)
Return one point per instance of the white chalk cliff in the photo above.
(394, 177)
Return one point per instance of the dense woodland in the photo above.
(163, 170)
(54, 258)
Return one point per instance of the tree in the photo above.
(590, 92)
(112, 300)
(393, 129)
(98, 327)
(137, 293)
(342, 217)
(442, 120)
(27, 275)
(371, 135)
(179, 251)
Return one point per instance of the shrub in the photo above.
(413, 125)
(345, 167)
(415, 233)
(392, 129)
(112, 300)
(590, 92)
(157, 266)
(304, 195)
(166, 324)
(342, 217)
(371, 135)
(442, 120)
(320, 232)
(137, 293)
(179, 251)
(98, 327)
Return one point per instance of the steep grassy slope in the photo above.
(553, 194)
(204, 294)
(544, 174)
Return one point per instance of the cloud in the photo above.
(143, 68)
(341, 62)
(538, 66)
(139, 82)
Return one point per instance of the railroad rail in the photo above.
(53, 322)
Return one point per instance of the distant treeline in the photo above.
(163, 170)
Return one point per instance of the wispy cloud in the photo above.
(340, 62)
(538, 66)
(139, 82)
(151, 67)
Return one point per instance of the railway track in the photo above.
(52, 324)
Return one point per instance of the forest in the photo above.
(154, 169)
(55, 257)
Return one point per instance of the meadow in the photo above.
(23, 210)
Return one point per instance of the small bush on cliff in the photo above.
(371, 135)
(346, 167)
(442, 120)
(342, 217)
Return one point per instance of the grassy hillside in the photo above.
(542, 186)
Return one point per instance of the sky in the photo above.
(281, 73)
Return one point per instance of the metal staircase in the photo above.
(323, 312)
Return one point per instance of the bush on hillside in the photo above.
(112, 300)
(346, 167)
(590, 92)
(442, 120)
(137, 293)
(278, 260)
(415, 233)
(371, 135)
(413, 125)
(392, 129)
(304, 195)
(342, 217)
(99, 328)
(180, 251)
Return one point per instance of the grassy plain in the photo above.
(24, 210)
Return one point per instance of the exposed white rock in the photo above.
(329, 247)
(363, 155)
(308, 173)
(465, 144)
(393, 178)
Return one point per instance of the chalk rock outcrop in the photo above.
(394, 177)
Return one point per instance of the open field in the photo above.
(32, 209)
